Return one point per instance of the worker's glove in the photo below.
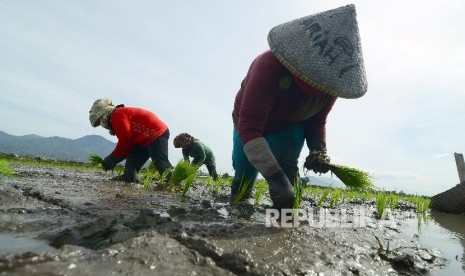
(317, 161)
(281, 190)
(110, 162)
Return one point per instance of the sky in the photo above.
(185, 60)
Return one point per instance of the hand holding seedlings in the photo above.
(317, 161)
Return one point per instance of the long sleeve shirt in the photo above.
(200, 152)
(269, 101)
(134, 127)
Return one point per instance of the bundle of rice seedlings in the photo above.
(95, 160)
(352, 178)
(184, 171)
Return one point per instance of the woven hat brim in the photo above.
(323, 50)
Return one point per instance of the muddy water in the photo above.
(11, 244)
(445, 232)
(58, 221)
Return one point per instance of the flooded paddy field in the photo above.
(63, 221)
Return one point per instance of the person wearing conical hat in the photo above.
(286, 96)
(202, 154)
(141, 135)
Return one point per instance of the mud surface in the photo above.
(57, 221)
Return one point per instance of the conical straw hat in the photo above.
(324, 50)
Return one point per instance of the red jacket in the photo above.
(269, 100)
(134, 127)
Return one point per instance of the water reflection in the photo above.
(444, 232)
(455, 224)
(12, 244)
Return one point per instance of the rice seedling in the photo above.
(336, 198)
(323, 196)
(297, 194)
(119, 169)
(162, 178)
(318, 191)
(353, 178)
(149, 175)
(216, 185)
(243, 190)
(352, 196)
(5, 169)
(307, 191)
(422, 204)
(367, 197)
(260, 190)
(208, 181)
(95, 160)
(184, 170)
(188, 183)
(393, 202)
(381, 204)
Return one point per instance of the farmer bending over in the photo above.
(141, 134)
(286, 96)
(192, 147)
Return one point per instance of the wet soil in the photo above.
(56, 221)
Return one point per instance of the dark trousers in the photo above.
(157, 151)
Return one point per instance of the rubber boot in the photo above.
(281, 191)
(292, 173)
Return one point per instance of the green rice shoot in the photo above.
(162, 178)
(323, 196)
(260, 190)
(183, 172)
(382, 201)
(216, 185)
(188, 183)
(422, 204)
(243, 190)
(297, 194)
(95, 160)
(5, 169)
(353, 178)
(336, 198)
(393, 202)
(150, 174)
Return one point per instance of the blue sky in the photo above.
(184, 60)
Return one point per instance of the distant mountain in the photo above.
(55, 147)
